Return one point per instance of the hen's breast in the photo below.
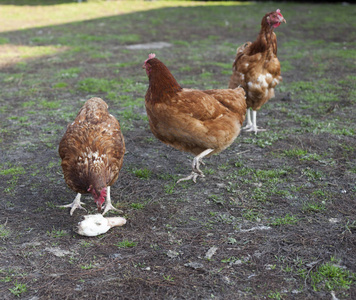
(258, 75)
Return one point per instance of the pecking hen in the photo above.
(200, 122)
(257, 69)
(92, 152)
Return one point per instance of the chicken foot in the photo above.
(108, 206)
(252, 125)
(75, 204)
(195, 166)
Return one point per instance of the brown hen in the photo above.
(200, 122)
(92, 152)
(257, 69)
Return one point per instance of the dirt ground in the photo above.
(272, 210)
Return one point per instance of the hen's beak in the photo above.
(143, 66)
(282, 20)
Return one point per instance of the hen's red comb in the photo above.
(150, 56)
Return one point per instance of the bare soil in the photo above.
(216, 239)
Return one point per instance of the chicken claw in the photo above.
(255, 129)
(108, 206)
(194, 175)
(75, 204)
(195, 166)
(252, 125)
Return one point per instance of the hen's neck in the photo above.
(266, 41)
(162, 84)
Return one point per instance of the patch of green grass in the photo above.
(181, 43)
(206, 75)
(142, 173)
(4, 232)
(286, 66)
(60, 85)
(18, 289)
(331, 277)
(288, 219)
(168, 278)
(259, 195)
(313, 207)
(50, 204)
(129, 115)
(12, 171)
(56, 233)
(86, 244)
(270, 174)
(6, 279)
(185, 69)
(20, 119)
(4, 40)
(27, 104)
(252, 215)
(87, 267)
(12, 183)
(126, 244)
(295, 152)
(265, 139)
(137, 205)
(312, 175)
(319, 193)
(95, 85)
(225, 218)
(68, 73)
(125, 64)
(50, 104)
(217, 199)
(169, 188)
(275, 295)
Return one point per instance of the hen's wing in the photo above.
(92, 148)
(237, 78)
(194, 121)
(233, 99)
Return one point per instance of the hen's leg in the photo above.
(254, 127)
(248, 120)
(108, 204)
(195, 166)
(75, 204)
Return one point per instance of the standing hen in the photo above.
(199, 122)
(92, 151)
(257, 69)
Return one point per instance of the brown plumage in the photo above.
(257, 69)
(199, 122)
(92, 152)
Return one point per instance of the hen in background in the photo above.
(92, 152)
(257, 69)
(199, 122)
